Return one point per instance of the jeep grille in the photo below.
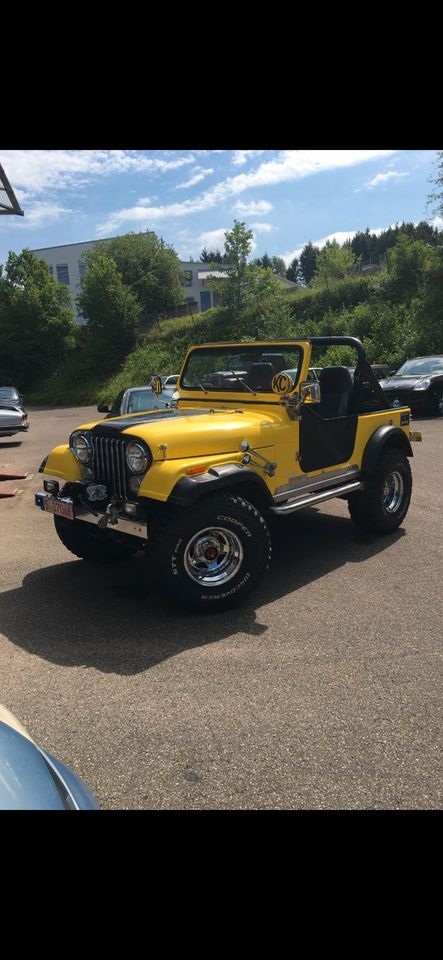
(109, 465)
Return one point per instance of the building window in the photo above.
(187, 278)
(62, 273)
(82, 269)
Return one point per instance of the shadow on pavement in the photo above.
(75, 613)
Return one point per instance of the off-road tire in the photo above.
(384, 503)
(175, 539)
(89, 543)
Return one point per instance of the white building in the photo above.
(68, 266)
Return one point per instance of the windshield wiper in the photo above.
(201, 385)
(242, 382)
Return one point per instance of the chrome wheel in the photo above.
(213, 556)
(393, 492)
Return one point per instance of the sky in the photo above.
(191, 197)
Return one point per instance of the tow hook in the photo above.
(111, 516)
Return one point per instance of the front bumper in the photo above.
(415, 399)
(10, 431)
(117, 523)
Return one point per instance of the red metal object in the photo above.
(7, 475)
(8, 491)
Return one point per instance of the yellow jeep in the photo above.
(250, 435)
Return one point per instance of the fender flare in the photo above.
(189, 489)
(387, 436)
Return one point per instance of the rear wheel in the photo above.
(89, 543)
(384, 503)
(212, 556)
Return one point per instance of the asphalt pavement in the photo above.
(322, 691)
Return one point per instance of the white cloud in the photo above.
(241, 156)
(39, 170)
(213, 239)
(195, 179)
(252, 209)
(290, 165)
(262, 227)
(383, 178)
(38, 214)
(437, 222)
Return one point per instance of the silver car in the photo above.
(137, 400)
(12, 420)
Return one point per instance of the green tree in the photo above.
(308, 262)
(333, 263)
(234, 290)
(278, 266)
(407, 263)
(211, 256)
(430, 308)
(436, 197)
(148, 267)
(293, 271)
(113, 311)
(37, 327)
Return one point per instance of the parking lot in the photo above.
(322, 691)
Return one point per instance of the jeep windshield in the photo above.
(222, 370)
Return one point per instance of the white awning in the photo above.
(212, 274)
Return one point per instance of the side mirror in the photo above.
(103, 408)
(310, 390)
(156, 384)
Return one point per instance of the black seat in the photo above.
(260, 376)
(336, 388)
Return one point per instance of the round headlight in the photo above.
(80, 447)
(134, 484)
(136, 458)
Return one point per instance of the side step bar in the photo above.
(293, 505)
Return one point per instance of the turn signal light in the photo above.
(192, 470)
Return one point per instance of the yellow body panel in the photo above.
(61, 463)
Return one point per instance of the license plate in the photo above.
(61, 508)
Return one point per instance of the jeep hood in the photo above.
(190, 432)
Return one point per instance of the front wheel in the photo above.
(384, 503)
(212, 556)
(89, 543)
(435, 404)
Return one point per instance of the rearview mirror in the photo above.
(156, 384)
(310, 390)
(103, 408)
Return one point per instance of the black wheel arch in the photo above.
(385, 438)
(230, 477)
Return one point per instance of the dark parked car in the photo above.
(380, 370)
(31, 778)
(417, 384)
(11, 395)
(137, 400)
